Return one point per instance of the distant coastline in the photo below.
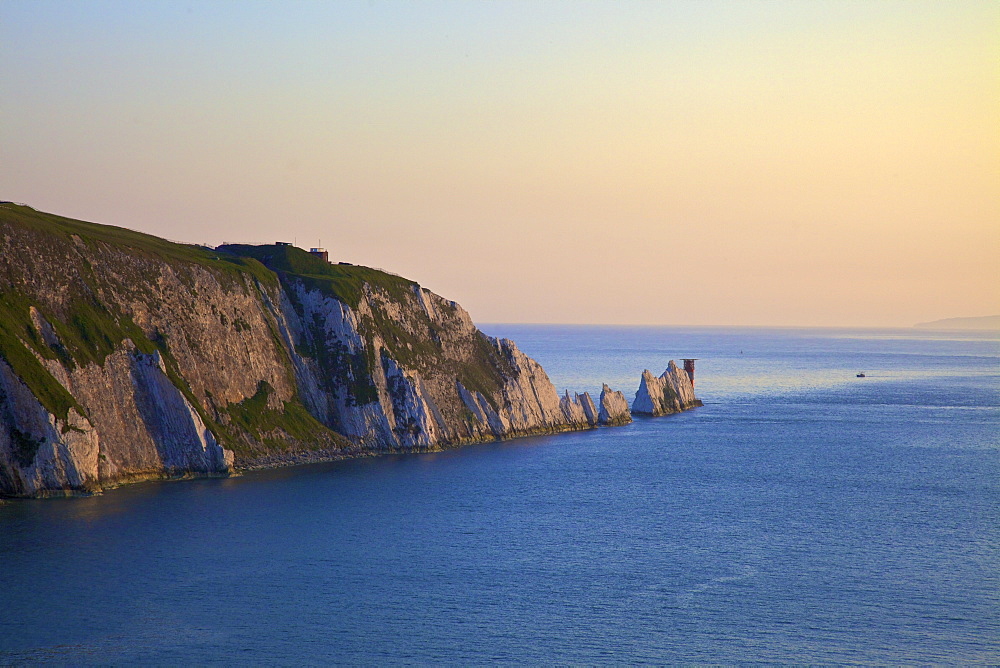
(981, 322)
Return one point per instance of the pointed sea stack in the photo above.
(614, 408)
(671, 393)
(579, 408)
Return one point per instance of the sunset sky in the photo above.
(678, 163)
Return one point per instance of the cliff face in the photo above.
(124, 357)
(402, 368)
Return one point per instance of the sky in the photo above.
(664, 163)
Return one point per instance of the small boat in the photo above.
(861, 375)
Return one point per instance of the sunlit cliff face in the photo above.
(709, 163)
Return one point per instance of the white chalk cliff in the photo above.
(125, 357)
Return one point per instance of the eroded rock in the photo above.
(614, 408)
(669, 393)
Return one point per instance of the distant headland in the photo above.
(982, 322)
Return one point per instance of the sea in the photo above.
(803, 515)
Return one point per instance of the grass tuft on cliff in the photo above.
(272, 426)
(14, 324)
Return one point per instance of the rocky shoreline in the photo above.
(614, 412)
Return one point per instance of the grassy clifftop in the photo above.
(65, 229)
(342, 281)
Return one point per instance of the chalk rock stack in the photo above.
(614, 408)
(579, 408)
(671, 393)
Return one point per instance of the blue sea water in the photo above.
(803, 515)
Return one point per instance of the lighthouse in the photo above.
(689, 368)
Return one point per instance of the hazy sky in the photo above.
(732, 163)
